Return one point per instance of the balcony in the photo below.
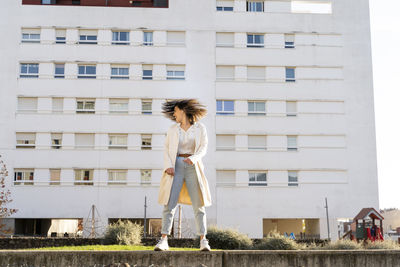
(108, 3)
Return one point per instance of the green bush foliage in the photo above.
(386, 244)
(276, 241)
(227, 238)
(124, 233)
(342, 244)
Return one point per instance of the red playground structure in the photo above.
(365, 227)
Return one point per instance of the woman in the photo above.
(183, 180)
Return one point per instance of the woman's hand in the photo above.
(170, 171)
(188, 161)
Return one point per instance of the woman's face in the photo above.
(178, 114)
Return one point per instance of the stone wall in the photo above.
(228, 258)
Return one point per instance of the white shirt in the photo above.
(186, 140)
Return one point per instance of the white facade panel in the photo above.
(331, 57)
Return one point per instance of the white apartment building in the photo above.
(287, 84)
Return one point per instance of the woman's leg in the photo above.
(169, 210)
(199, 210)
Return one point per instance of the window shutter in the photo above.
(226, 177)
(55, 174)
(257, 141)
(61, 33)
(84, 139)
(27, 103)
(175, 37)
(175, 68)
(225, 39)
(225, 3)
(225, 72)
(292, 141)
(256, 73)
(88, 32)
(58, 104)
(26, 136)
(225, 142)
(289, 38)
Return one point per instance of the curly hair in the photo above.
(192, 108)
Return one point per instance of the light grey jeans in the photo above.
(187, 172)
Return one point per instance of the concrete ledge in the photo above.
(228, 258)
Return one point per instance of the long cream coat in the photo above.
(170, 154)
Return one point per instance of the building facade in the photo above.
(287, 84)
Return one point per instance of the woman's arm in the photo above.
(203, 145)
(167, 159)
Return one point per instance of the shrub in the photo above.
(227, 238)
(342, 244)
(124, 233)
(276, 241)
(386, 244)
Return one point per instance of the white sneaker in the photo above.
(162, 244)
(204, 245)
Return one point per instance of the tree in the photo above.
(5, 198)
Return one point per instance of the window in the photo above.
(55, 176)
(291, 108)
(176, 38)
(225, 39)
(48, 2)
(30, 36)
(56, 140)
(83, 177)
(23, 176)
(256, 108)
(27, 104)
(26, 140)
(87, 71)
(61, 36)
(225, 142)
(147, 72)
(292, 178)
(257, 178)
(255, 6)
(148, 38)
(59, 71)
(225, 5)
(292, 143)
(290, 74)
(119, 72)
(85, 106)
(226, 178)
(175, 72)
(120, 38)
(117, 177)
(118, 105)
(29, 70)
(76, 2)
(117, 141)
(146, 141)
(146, 106)
(289, 40)
(256, 74)
(87, 37)
(257, 142)
(225, 107)
(255, 40)
(84, 140)
(57, 104)
(145, 177)
(225, 73)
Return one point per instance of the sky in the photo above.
(385, 34)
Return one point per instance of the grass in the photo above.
(112, 247)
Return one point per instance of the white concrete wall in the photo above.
(336, 156)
